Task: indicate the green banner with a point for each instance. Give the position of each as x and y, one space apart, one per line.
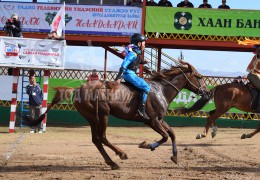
186 99
201 21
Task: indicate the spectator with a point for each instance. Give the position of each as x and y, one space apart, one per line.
254 68
135 3
223 6
205 4
35 102
53 35
93 76
165 3
151 3
13 29
185 3
13 26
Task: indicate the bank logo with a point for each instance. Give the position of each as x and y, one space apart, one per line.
9 7
182 20
50 16
11 50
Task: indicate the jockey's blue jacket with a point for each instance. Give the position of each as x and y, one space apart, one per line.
130 65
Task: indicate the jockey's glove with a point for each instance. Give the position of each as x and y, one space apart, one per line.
119 75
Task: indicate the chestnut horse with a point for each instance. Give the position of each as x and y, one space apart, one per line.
95 101
226 96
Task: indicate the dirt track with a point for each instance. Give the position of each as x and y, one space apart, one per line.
68 153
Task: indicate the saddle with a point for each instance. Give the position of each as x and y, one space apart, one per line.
255 104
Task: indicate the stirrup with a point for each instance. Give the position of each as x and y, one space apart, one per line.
142 114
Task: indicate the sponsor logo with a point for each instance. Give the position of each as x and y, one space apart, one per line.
183 20
50 16
9 7
11 50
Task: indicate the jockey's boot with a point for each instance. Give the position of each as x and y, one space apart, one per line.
141 112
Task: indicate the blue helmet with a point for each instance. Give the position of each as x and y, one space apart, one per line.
136 38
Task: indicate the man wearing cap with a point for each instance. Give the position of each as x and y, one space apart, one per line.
254 68
93 76
16 26
129 67
205 4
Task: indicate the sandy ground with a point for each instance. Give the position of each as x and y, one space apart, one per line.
68 153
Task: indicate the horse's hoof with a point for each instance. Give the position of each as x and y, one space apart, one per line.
174 159
123 156
113 166
244 136
144 145
213 134
200 136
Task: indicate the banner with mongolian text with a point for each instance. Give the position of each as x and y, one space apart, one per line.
79 19
32 53
219 22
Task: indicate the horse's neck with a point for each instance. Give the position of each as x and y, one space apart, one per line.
171 87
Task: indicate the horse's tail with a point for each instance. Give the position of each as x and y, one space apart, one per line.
198 104
62 93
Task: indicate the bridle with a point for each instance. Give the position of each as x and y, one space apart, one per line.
200 90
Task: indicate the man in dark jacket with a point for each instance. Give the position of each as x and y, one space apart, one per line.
35 101
151 3
205 4
13 26
223 5
185 3
165 3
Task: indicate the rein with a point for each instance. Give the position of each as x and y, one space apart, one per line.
199 88
167 82
179 91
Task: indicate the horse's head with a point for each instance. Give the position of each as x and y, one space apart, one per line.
187 74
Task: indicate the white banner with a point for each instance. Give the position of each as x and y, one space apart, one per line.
79 19
32 53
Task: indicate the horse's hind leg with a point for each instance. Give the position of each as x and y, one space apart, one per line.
157 127
213 115
97 140
244 136
102 133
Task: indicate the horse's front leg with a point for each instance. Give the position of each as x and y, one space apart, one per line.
157 127
173 138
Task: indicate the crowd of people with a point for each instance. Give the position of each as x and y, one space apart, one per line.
184 3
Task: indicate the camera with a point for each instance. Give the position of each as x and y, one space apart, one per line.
9 22
8 26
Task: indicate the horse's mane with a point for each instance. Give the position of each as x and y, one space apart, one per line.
175 70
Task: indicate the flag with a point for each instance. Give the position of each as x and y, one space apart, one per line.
58 22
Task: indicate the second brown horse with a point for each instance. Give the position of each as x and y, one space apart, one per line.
225 96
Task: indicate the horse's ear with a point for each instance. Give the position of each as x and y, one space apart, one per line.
184 64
